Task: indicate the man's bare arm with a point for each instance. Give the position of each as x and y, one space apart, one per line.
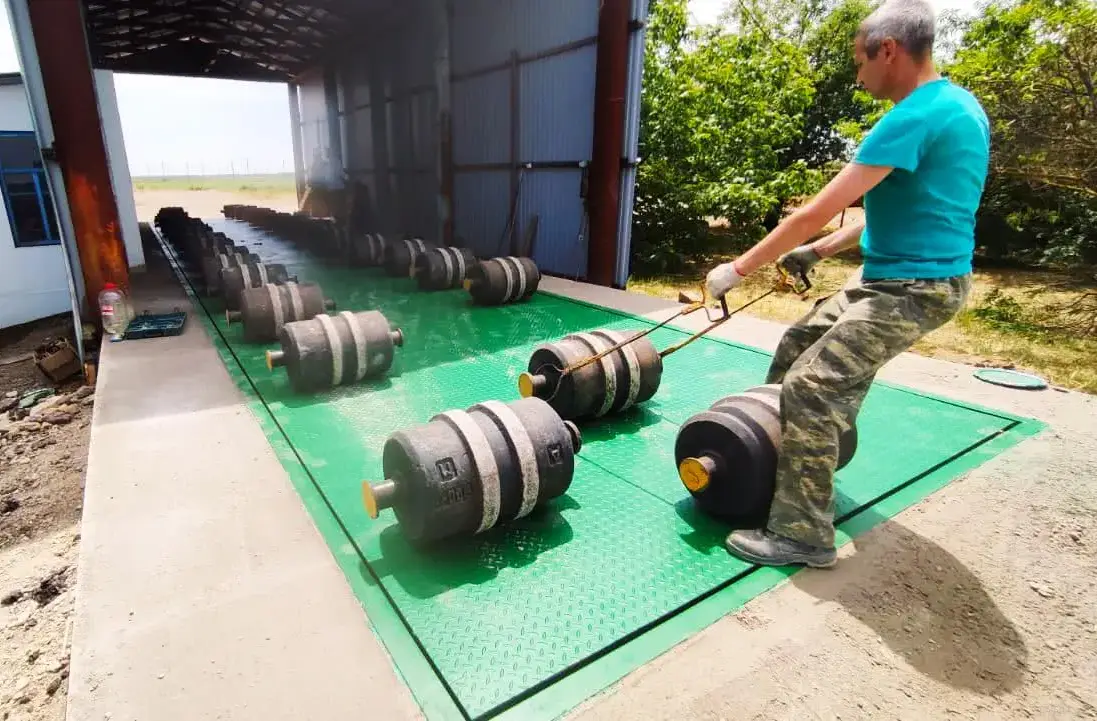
845 237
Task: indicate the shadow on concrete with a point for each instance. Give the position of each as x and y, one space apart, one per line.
446 565
920 600
927 607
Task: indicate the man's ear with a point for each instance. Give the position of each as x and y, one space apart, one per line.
889 47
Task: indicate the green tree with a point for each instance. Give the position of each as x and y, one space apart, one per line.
842 112
719 111
824 31
1033 65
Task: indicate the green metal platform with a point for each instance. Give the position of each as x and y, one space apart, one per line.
529 620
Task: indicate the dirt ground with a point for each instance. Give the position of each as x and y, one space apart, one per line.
42 460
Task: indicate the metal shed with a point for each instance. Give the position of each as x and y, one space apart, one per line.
467 121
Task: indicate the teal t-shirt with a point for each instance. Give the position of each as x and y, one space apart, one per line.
920 220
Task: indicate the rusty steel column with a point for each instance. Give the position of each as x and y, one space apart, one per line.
59 36
610 84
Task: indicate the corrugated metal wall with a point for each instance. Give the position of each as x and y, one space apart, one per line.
389 118
513 80
523 93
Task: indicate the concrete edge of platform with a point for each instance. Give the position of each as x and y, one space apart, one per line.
203 588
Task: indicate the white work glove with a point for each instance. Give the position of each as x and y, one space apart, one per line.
799 261
721 279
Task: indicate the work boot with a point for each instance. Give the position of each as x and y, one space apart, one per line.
766 548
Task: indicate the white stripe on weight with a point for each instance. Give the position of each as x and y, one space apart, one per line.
461 269
296 302
359 342
223 259
448 262
483 462
633 362
509 276
276 306
245 275
521 271
523 448
608 371
262 273
336 346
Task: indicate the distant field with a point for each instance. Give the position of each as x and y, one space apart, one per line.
273 184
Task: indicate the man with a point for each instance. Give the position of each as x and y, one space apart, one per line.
921 171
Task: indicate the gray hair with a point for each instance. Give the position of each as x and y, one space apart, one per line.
910 23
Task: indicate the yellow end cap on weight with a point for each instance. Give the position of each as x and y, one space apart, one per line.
467 284
368 500
694 475
270 366
525 385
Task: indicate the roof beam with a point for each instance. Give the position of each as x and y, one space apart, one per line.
279 36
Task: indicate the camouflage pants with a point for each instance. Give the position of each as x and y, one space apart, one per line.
825 364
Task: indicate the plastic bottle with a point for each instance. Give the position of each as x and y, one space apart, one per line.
115 310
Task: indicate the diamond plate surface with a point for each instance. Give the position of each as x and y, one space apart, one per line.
522 604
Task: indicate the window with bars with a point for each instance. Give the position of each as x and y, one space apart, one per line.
26 193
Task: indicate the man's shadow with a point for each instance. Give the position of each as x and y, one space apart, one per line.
926 606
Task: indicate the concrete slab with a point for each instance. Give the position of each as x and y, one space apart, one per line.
204 591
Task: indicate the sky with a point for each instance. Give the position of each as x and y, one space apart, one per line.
195 126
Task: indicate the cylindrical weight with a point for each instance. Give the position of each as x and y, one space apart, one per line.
214 264
249 275
266 309
619 380
502 280
367 250
442 268
727 455
400 255
467 471
328 351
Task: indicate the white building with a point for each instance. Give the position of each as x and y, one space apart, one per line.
34 277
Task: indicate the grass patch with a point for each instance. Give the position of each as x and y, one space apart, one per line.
1009 321
261 185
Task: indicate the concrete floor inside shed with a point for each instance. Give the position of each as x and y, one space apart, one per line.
205 590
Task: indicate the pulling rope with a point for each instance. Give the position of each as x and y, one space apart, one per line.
784 282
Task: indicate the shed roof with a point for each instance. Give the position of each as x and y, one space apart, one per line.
237 39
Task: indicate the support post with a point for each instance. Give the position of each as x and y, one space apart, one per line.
298 153
444 82
69 87
515 148
610 82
